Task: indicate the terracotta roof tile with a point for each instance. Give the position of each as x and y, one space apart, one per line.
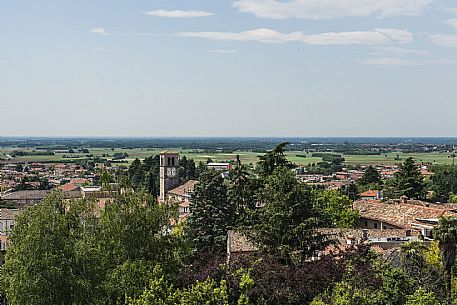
370 193
400 214
183 189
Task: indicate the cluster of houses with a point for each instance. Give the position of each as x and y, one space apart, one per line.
13 175
349 176
385 225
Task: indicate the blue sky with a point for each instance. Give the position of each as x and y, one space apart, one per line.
228 68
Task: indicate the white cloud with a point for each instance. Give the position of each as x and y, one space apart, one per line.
374 37
140 34
397 51
102 49
452 23
178 13
99 31
444 40
387 61
222 51
394 61
327 9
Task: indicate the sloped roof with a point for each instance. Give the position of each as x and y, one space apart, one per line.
26 195
400 214
370 193
68 187
184 188
8 213
38 195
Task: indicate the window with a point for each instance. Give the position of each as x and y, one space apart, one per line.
366 223
375 225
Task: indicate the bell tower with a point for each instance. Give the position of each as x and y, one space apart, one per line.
169 173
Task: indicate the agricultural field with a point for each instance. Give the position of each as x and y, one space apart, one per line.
393 158
297 157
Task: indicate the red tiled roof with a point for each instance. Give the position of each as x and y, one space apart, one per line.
370 193
79 181
68 187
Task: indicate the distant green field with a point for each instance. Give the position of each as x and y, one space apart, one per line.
439 158
296 157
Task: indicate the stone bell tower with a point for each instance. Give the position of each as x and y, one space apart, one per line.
169 173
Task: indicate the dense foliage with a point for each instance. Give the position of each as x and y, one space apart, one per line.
146 175
443 183
67 254
134 252
408 182
371 177
212 214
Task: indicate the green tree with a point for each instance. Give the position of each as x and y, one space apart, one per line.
65 253
151 169
408 181
287 222
370 176
19 168
133 237
422 297
417 262
135 173
446 234
41 264
335 210
242 194
212 214
161 292
351 191
369 281
274 159
145 176
187 169
443 183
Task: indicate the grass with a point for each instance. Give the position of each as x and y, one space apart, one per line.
297 157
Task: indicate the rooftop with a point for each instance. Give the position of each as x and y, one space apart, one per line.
184 188
370 193
402 215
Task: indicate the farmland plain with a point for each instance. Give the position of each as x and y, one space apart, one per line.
297 157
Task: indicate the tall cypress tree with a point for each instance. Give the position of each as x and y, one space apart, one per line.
287 223
242 194
408 181
212 214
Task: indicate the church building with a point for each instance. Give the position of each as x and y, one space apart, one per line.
169 173
169 184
